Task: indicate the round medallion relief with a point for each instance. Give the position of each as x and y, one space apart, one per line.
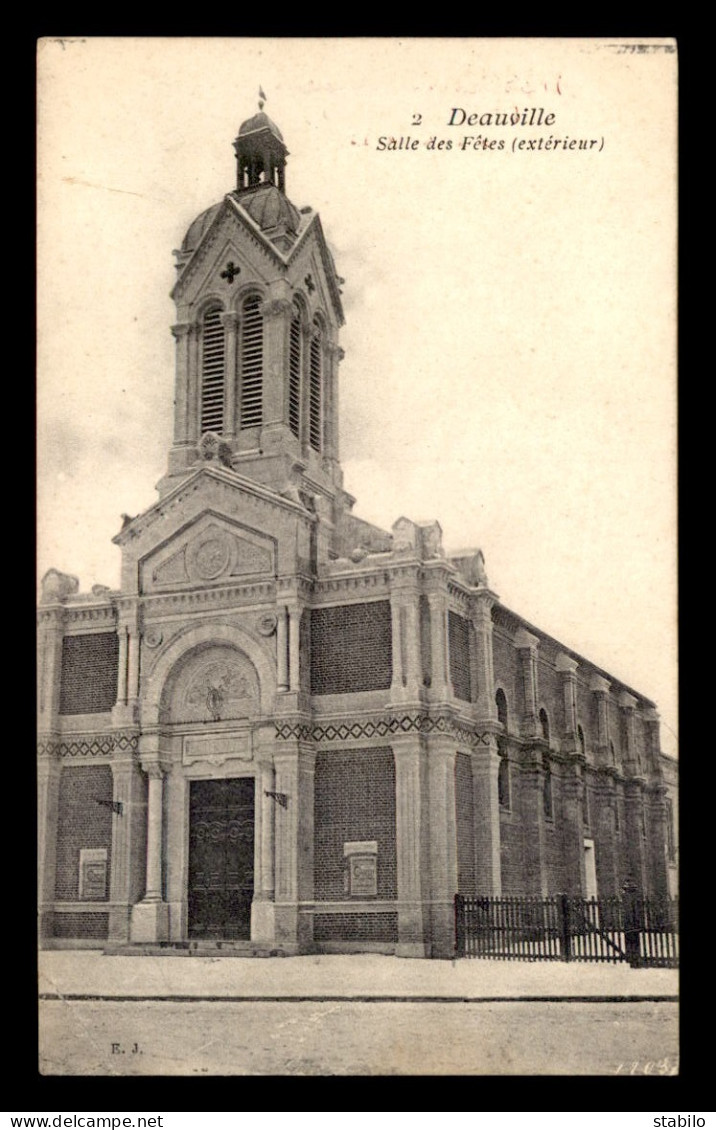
211 557
153 637
267 624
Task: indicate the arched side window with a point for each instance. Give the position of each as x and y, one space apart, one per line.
295 364
212 372
547 802
252 363
315 390
501 703
544 724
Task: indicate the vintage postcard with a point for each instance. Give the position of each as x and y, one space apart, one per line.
357 556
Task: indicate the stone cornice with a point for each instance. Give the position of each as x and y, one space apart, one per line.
156 605
230 481
103 615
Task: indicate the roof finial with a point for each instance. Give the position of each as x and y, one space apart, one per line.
262 99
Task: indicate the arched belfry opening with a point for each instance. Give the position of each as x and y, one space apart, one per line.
260 154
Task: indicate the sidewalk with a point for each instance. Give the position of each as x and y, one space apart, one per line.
90 974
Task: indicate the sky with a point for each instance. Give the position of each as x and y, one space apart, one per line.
510 335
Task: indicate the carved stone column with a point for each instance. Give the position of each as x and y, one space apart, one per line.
567 667
485 772
485 675
128 629
656 853
150 917
282 649
230 322
527 645
410 784
294 648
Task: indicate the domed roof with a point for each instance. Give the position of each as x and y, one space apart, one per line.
260 121
268 208
198 227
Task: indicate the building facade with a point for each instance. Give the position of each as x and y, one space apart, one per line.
289 726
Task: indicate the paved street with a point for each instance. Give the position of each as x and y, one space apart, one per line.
366 1038
363 1014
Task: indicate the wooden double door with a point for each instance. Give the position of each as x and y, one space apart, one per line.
221 857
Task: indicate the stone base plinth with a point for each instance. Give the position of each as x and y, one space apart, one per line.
263 924
150 922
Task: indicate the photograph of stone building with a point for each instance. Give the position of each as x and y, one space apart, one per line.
289 727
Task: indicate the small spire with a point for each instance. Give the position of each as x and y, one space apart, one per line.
262 99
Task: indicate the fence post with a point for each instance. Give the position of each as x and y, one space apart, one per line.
631 924
564 934
459 926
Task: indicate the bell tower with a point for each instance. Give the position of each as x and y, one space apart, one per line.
258 317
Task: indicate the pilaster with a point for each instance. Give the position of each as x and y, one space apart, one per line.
485 773
533 828
407 667
482 604
572 788
600 688
128 844
182 413
277 312
440 688
627 703
410 802
48 787
567 668
295 765
125 710
230 322
634 833
442 845
50 633
527 645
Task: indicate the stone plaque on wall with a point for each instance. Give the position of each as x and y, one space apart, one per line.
93 874
362 876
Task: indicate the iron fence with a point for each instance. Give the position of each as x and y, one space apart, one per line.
641 931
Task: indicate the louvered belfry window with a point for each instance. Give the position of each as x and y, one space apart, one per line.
294 373
314 401
252 349
212 373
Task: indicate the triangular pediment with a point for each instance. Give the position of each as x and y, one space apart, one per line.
211 549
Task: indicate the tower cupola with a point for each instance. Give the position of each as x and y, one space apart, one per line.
260 153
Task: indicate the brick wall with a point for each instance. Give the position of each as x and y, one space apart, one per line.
465 825
459 640
89 673
81 823
356 927
506 674
351 648
354 799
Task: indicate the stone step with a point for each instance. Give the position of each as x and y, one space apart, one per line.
229 948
